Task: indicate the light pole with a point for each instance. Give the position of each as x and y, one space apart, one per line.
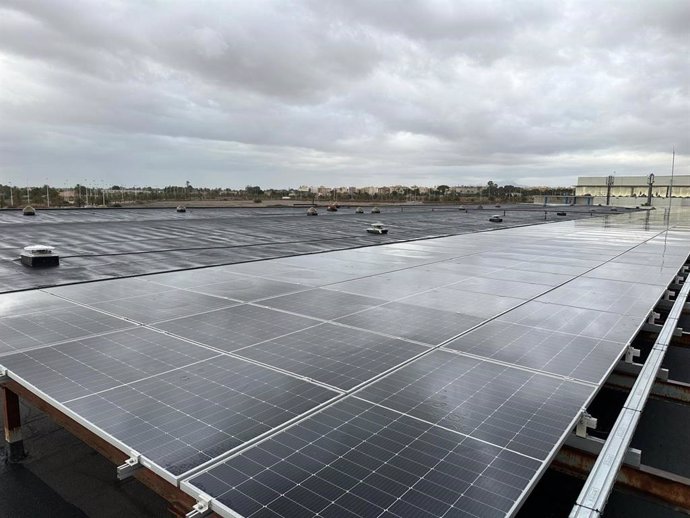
609 184
650 182
11 196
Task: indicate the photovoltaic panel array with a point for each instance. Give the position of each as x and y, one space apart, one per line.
344 461
177 404
356 459
371 375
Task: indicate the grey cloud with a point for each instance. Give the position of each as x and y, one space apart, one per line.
342 92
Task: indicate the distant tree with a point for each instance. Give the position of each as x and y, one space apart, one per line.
253 190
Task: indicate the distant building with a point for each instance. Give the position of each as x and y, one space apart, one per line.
626 191
466 189
634 186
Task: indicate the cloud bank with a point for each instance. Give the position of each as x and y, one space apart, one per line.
341 92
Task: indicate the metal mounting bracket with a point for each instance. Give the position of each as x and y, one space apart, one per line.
201 508
668 294
631 353
586 421
127 469
653 316
4 377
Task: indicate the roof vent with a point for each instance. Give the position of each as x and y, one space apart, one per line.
39 256
29 211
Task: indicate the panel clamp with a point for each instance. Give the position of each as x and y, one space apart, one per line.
631 353
4 376
127 469
201 508
586 421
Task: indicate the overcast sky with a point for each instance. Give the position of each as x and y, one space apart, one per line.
342 92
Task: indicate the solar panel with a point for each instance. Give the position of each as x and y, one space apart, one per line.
236 327
429 326
570 355
324 304
625 298
38 329
492 286
163 306
184 417
335 355
451 298
28 302
569 319
82 367
245 288
509 407
96 292
358 459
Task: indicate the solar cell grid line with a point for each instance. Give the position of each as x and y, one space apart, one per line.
358 459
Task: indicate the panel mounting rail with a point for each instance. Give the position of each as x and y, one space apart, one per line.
598 486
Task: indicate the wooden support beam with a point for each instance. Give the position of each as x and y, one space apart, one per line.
681 341
665 390
13 426
661 486
179 502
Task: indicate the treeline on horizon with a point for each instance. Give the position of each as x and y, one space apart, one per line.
12 196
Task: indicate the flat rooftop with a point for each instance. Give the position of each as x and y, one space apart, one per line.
427 376
110 243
